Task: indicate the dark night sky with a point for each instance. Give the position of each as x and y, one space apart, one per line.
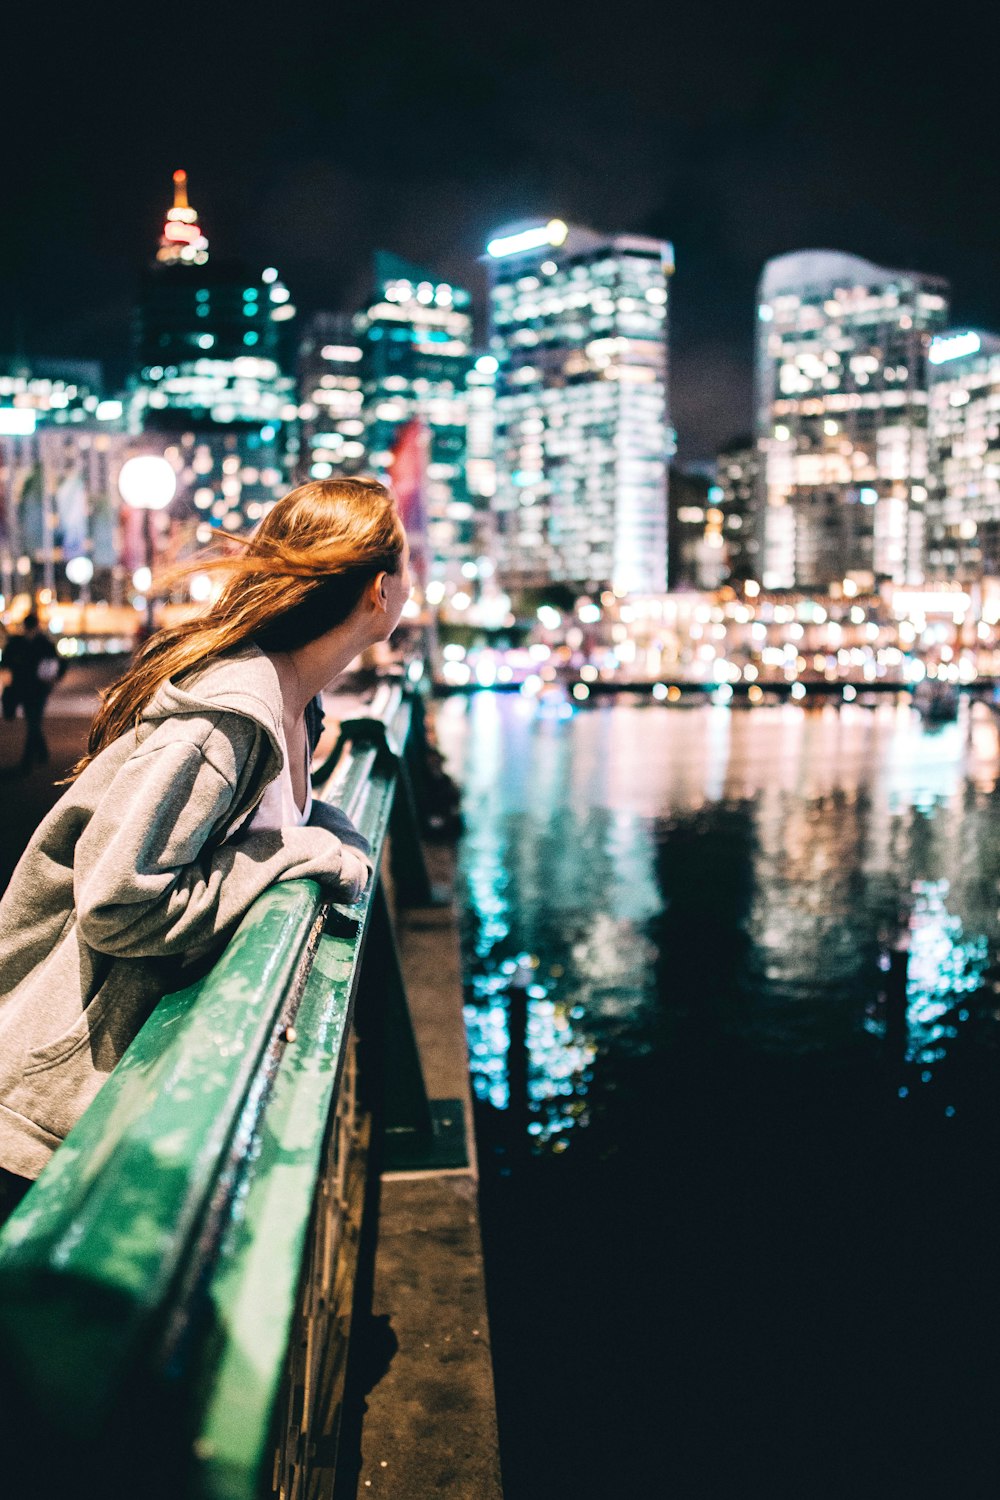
314 133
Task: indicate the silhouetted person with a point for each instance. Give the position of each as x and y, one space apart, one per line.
33 663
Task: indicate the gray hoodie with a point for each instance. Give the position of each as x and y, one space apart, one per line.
133 883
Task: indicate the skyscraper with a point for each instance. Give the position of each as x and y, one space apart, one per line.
579 330
331 424
480 464
209 376
208 330
842 417
963 484
696 557
738 473
416 334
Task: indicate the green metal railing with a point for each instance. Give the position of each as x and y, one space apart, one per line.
176 1290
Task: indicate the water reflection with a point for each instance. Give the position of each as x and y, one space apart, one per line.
944 966
636 878
734 1010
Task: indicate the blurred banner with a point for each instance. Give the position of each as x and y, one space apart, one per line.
6 471
30 512
103 526
133 539
71 505
409 480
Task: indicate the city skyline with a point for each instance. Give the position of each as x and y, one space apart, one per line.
578 357
737 138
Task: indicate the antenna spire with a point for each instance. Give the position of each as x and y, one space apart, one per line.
182 241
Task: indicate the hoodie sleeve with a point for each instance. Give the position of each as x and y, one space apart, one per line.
147 880
336 821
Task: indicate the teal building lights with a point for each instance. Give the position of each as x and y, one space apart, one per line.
209 376
416 337
331 425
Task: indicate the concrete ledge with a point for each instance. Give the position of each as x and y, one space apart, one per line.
429 1424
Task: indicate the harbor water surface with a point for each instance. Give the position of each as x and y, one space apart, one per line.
739 1169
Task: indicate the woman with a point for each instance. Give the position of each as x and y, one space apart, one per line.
193 798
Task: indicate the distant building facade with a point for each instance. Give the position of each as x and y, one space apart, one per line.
480 464
841 399
738 478
59 503
963 485
40 392
61 445
416 337
696 557
208 334
209 383
331 418
579 332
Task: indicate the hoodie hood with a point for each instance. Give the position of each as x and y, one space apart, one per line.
242 681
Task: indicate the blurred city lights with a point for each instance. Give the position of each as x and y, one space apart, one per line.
199 587
79 570
552 233
17 421
147 482
956 346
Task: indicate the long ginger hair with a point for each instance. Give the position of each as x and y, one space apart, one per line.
301 573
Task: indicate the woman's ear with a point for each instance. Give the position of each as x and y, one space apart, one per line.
379 592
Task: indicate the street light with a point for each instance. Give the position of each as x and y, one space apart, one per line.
80 571
147 483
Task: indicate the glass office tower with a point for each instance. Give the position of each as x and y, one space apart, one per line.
331 424
738 477
963 485
209 378
208 335
842 418
416 337
579 331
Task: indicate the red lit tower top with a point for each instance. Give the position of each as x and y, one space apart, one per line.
182 241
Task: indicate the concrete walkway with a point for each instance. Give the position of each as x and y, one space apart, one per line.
25 798
429 1426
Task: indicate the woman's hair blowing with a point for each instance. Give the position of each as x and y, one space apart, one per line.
300 574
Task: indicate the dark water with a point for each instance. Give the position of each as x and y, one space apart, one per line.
739 1211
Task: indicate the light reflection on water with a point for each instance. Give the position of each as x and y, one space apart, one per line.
945 965
633 870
